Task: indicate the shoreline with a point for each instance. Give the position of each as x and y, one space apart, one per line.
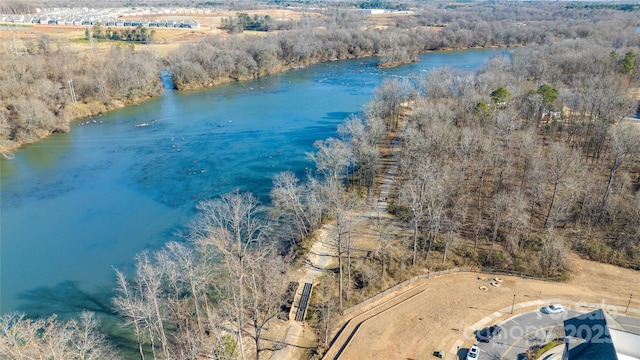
77 115
87 110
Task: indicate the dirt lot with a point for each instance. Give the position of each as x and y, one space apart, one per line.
437 317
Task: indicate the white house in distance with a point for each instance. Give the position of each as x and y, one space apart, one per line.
370 11
115 17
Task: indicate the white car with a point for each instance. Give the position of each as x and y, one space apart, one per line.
553 309
472 354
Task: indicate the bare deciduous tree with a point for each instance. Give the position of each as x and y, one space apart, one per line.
413 194
624 145
232 228
288 203
23 338
562 165
265 288
327 307
332 160
129 304
387 103
554 257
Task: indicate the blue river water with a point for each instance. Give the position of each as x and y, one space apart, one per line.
76 205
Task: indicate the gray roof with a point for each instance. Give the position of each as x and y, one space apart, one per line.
588 337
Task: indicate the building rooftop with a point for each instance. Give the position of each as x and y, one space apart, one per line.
597 336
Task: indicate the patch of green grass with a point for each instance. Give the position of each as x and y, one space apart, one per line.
13 25
537 353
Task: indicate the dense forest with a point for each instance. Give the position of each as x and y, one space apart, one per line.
514 166
35 87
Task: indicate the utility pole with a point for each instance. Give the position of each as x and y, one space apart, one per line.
513 303
74 100
17 45
92 45
629 303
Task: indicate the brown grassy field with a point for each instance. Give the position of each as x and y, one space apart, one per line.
437 317
165 40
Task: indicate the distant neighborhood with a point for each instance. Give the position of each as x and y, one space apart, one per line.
123 17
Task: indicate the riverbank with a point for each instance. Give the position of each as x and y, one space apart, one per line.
76 113
84 110
198 59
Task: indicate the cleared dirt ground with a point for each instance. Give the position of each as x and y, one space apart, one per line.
437 317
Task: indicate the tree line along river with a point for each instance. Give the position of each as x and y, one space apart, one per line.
75 205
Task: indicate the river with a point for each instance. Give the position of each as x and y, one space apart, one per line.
76 205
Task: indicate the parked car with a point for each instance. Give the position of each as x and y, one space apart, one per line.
472 354
553 309
486 334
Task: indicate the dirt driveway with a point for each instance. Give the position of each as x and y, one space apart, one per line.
437 317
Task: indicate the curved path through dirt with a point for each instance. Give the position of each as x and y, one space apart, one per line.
323 251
